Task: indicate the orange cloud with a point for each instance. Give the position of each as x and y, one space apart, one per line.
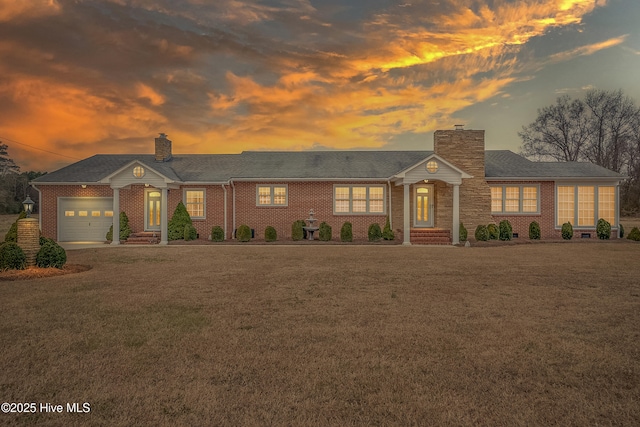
18 9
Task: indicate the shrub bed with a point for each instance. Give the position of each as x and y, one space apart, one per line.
493 232
506 231
217 234
603 229
270 234
51 255
324 232
634 234
190 232
346 232
125 230
12 257
481 234
243 234
534 231
567 231
374 233
178 222
297 230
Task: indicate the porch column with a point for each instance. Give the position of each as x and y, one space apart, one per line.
115 239
456 214
164 223
407 216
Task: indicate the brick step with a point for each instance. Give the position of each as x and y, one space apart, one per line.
143 238
430 236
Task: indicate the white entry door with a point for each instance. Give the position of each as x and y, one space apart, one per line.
424 206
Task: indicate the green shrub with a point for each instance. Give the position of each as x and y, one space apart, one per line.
621 229
462 233
534 231
324 232
51 254
387 232
178 221
346 232
567 231
243 234
603 229
12 257
634 234
374 233
270 234
217 234
12 234
481 234
493 232
190 232
297 232
44 240
506 231
125 230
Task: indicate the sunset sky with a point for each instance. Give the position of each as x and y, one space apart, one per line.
79 78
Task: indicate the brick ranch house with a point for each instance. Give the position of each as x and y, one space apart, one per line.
425 193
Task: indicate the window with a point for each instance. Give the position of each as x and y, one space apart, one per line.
271 195
83 213
69 213
515 199
95 213
194 202
108 213
583 205
432 166
138 171
358 199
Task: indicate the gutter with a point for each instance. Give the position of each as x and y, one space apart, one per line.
233 209
390 216
225 210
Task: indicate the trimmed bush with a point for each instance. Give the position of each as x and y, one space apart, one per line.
190 232
462 233
51 254
324 232
481 234
621 229
12 234
177 223
12 257
217 234
534 231
567 231
634 234
243 234
387 232
270 234
506 231
44 240
374 233
125 230
297 232
346 232
493 232
603 229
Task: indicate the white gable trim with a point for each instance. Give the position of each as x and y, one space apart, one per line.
446 172
152 177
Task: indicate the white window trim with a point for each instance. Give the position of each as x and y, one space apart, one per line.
204 201
272 194
368 186
596 186
520 212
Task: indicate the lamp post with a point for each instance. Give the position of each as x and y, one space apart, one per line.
28 205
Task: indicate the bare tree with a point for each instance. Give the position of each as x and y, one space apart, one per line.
560 132
7 165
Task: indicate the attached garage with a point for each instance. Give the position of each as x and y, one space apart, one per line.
84 219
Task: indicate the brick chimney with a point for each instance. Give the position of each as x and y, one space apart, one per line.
465 150
163 148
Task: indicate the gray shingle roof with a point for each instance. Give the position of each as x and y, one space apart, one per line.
309 165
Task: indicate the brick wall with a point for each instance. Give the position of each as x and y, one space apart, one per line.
465 149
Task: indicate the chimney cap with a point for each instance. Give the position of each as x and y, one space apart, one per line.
459 127
163 135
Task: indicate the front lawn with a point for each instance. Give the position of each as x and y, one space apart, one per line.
329 335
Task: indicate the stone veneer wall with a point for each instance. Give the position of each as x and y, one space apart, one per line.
465 149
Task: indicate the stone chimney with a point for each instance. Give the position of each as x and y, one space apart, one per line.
465 150
163 148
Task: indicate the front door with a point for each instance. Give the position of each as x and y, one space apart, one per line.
152 210
424 206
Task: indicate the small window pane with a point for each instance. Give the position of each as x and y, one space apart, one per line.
359 193
342 206
342 192
376 192
279 195
83 213
359 205
566 203
95 213
496 199
512 199
195 202
607 204
586 206
376 206
108 213
69 213
529 199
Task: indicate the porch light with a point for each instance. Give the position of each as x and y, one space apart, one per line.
28 205
84 185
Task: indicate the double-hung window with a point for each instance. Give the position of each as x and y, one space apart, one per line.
271 195
358 199
515 199
194 202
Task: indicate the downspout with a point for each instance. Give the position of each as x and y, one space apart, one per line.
225 210
233 208
390 211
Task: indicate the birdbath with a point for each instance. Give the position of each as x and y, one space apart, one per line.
311 227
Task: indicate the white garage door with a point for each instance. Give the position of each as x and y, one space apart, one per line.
84 219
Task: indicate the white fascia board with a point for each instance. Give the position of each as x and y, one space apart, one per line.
67 183
557 179
308 179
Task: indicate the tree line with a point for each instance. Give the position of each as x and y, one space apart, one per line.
14 185
603 128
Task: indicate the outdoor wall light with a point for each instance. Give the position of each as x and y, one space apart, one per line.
28 205
84 185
